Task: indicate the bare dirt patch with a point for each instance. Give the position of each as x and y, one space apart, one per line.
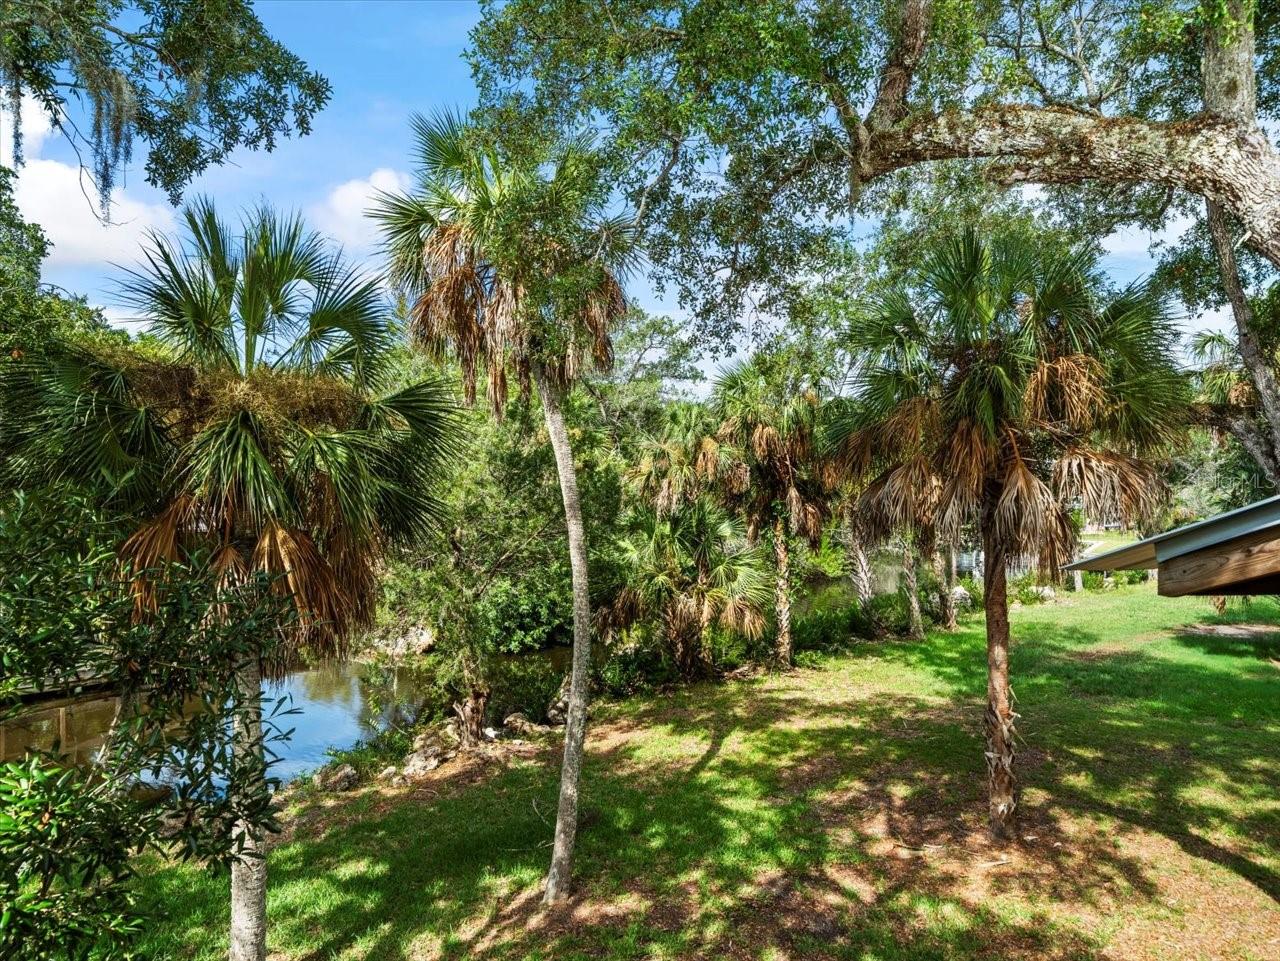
1245 632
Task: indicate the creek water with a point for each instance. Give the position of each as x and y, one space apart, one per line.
333 706
337 705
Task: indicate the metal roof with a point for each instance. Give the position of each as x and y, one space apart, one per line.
1183 540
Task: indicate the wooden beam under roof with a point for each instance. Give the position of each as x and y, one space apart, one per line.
1244 565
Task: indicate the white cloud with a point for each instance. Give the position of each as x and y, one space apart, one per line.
63 200
342 213
35 125
1134 242
1218 319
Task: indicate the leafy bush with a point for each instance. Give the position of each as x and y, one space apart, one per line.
521 614
1026 589
729 649
831 628
526 683
65 838
889 612
634 668
1129 577
370 755
65 847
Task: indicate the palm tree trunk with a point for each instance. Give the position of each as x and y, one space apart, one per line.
858 565
1002 786
249 869
706 662
915 622
558 876
782 594
946 600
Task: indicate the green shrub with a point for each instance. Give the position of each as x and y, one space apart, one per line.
526 684
889 612
370 755
1129 577
730 649
66 843
832 628
634 668
1025 589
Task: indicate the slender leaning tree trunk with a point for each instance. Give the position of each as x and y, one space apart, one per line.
915 622
706 661
249 869
858 565
946 600
575 733
782 594
1002 786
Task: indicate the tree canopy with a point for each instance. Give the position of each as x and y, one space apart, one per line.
194 81
757 129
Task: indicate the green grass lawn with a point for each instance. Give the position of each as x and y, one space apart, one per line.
834 812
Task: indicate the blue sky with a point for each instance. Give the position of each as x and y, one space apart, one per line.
385 61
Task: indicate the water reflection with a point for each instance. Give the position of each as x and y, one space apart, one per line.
338 705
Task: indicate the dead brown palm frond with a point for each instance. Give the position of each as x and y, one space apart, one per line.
604 306
969 457
1067 390
737 479
902 497
743 617
965 460
911 493
1058 545
1108 484
766 443
229 566
807 521
707 460
354 562
291 558
911 424
857 453
1027 510
159 540
1241 394
627 608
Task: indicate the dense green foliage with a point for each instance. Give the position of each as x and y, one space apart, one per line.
192 80
30 313
277 470
833 813
67 619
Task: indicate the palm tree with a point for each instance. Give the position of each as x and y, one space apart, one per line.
857 563
262 431
766 464
1001 389
687 569
513 266
678 464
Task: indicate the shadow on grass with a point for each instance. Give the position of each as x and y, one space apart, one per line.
814 815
